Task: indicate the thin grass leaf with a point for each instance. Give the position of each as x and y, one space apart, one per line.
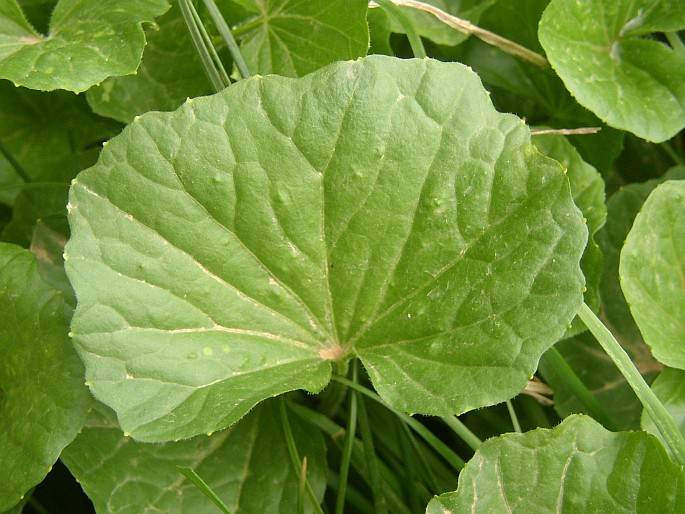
202 486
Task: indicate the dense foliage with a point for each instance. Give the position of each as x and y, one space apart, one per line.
319 251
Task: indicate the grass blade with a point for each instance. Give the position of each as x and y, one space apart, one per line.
202 486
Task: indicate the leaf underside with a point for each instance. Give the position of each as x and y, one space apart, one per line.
229 251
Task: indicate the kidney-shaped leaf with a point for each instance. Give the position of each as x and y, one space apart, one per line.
228 251
652 271
578 466
631 83
88 41
43 403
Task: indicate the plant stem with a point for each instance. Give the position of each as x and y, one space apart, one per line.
514 418
466 27
196 34
560 367
655 409
440 447
347 448
462 431
371 458
295 457
413 36
676 43
226 33
14 163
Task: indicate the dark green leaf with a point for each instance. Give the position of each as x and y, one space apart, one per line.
247 466
43 403
295 38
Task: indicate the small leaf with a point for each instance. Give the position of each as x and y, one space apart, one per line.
88 41
652 271
336 30
247 466
631 82
576 467
229 251
40 412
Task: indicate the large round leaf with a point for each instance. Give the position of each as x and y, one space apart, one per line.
577 467
229 251
630 82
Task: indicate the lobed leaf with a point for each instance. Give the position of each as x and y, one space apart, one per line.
631 82
87 41
576 467
247 466
231 250
652 271
40 412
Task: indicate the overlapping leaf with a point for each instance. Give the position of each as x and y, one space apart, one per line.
88 41
43 403
631 82
295 38
247 466
229 251
576 467
652 271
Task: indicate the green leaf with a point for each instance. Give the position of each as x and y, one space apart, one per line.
669 387
247 466
379 208
43 403
652 271
576 467
335 30
169 73
87 41
587 188
48 151
631 82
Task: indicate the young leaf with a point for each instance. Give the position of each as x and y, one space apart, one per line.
43 403
336 30
576 467
87 41
651 270
231 250
247 466
169 73
631 82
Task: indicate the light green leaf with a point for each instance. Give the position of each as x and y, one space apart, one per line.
669 387
247 466
652 272
229 251
169 73
40 412
576 467
87 41
295 38
631 82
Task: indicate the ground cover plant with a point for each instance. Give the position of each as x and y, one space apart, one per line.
340 256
